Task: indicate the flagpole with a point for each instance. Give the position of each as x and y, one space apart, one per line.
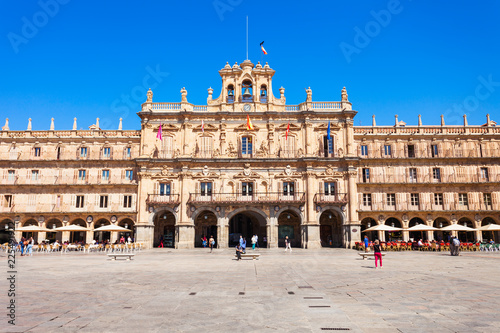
247 37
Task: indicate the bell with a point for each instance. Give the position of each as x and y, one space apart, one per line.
263 93
230 93
246 93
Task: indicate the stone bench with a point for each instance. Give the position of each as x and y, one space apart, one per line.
113 256
249 255
368 254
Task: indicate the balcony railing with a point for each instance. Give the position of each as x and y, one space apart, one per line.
163 199
270 197
427 206
379 152
340 198
427 178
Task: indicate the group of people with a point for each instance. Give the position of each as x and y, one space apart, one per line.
26 245
242 245
210 242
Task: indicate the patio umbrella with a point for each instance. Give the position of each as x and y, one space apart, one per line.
456 227
72 227
490 227
112 227
422 227
382 227
32 228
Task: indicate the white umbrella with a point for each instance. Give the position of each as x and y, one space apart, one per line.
382 227
422 227
456 227
72 227
112 227
490 227
32 228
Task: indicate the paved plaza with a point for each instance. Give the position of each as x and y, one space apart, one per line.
164 290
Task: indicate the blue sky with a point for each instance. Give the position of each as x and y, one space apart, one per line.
83 58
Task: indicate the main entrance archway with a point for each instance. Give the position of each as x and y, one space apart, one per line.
330 229
164 234
247 224
205 225
289 225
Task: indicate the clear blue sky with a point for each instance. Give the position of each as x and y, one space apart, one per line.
427 58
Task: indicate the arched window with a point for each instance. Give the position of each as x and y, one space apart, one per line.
247 91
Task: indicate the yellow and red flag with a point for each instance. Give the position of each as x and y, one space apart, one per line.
249 124
262 48
287 131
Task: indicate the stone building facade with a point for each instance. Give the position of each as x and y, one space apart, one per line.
212 173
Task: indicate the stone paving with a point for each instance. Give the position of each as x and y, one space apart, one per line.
165 290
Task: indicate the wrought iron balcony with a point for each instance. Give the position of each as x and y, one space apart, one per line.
163 199
255 198
339 198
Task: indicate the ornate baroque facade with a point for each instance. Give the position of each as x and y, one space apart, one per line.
210 175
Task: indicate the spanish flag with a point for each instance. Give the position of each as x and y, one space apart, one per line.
287 131
262 48
249 124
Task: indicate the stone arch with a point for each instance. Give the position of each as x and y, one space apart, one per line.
417 234
151 216
466 236
30 221
489 235
396 235
51 224
293 209
246 222
439 235
128 223
371 221
290 224
101 236
4 234
331 228
244 209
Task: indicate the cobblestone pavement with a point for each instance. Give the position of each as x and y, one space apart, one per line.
165 290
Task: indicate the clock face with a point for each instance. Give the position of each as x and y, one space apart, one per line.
247 107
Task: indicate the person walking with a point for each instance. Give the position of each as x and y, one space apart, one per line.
161 241
253 242
377 252
257 241
287 244
366 241
244 245
211 243
31 242
456 245
22 245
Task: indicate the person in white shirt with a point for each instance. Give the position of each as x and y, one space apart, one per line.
129 240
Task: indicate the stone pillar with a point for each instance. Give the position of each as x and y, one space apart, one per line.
349 137
352 216
145 235
222 233
312 233
185 226
41 236
308 138
65 236
185 236
479 235
89 236
272 233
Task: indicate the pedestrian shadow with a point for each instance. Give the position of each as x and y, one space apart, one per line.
368 267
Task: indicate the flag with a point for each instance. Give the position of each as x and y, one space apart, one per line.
328 132
159 136
287 131
262 48
202 126
249 124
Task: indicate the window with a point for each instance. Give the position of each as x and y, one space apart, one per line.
35 174
103 201
364 150
11 175
487 200
127 201
367 199
7 201
412 173
391 199
106 152
411 150
105 175
206 189
414 199
246 145
37 151
83 152
434 150
436 174
328 146
128 152
288 147
484 174
387 150
247 189
80 202
288 188
164 188
462 199
330 188
129 174
205 146
167 150
366 175
438 199
82 174
58 153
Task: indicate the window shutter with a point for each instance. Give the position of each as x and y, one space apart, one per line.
321 187
73 200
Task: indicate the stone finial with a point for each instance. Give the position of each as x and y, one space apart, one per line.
442 120
282 92
258 65
184 95
120 124
344 95
52 124
266 65
29 125
6 127
373 121
419 120
488 121
235 65
149 96
97 124
309 93
228 66
74 125
397 122
465 120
